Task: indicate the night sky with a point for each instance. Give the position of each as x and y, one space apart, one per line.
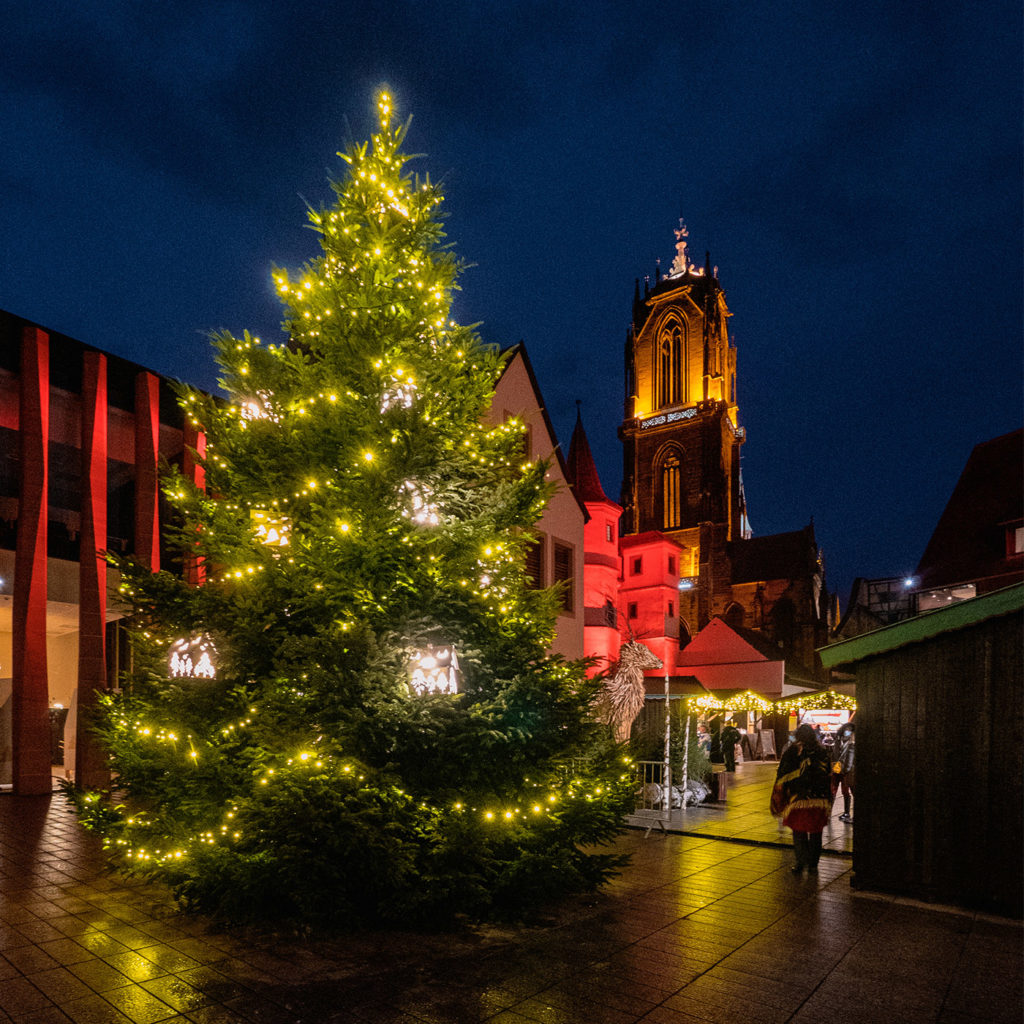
854 170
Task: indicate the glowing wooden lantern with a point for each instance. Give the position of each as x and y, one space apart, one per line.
434 670
271 529
192 658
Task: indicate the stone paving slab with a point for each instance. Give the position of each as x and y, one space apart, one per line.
697 929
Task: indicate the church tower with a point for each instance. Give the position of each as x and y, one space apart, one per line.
680 431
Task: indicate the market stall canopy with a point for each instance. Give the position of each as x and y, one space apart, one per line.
733 700
817 701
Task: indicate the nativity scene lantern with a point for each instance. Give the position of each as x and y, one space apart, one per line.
192 658
271 528
434 670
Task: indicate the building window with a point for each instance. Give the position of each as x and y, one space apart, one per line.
671 609
638 566
535 564
561 563
1015 540
671 516
631 612
611 617
609 532
671 565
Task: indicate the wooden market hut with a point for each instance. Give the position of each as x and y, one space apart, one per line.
940 758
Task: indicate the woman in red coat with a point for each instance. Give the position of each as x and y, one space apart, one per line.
803 796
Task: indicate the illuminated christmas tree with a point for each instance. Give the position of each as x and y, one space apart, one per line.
289 743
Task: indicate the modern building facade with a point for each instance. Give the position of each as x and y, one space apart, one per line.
82 434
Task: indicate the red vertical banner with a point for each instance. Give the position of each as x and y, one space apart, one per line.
195 450
30 681
147 451
90 763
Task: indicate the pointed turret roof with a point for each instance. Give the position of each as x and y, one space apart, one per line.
580 466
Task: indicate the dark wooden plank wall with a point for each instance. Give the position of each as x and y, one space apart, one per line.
940 764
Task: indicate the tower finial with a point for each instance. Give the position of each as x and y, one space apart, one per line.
679 264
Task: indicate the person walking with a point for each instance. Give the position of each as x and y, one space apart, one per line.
845 752
802 796
730 737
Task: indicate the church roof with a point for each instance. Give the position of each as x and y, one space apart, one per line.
776 556
580 467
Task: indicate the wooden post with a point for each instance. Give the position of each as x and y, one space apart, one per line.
686 758
666 771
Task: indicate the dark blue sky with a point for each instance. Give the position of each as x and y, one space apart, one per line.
855 171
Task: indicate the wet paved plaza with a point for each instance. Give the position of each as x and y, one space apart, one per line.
707 924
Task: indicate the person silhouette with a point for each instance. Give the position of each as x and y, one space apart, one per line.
802 796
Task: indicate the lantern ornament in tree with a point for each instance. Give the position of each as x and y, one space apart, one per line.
272 529
434 670
399 395
192 658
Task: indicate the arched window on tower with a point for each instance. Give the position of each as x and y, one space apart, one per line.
671 351
671 507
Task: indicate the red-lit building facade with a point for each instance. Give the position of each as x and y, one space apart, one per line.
82 434
685 557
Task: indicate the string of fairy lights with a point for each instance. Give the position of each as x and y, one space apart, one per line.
546 804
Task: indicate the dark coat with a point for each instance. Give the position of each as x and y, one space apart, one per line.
803 788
